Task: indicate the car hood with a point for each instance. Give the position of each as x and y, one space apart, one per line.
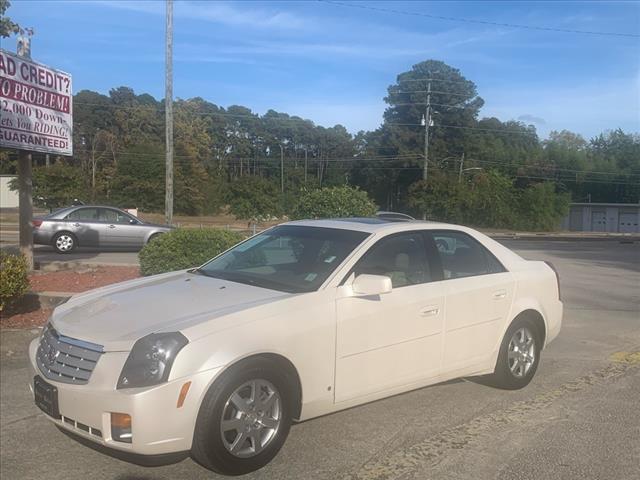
118 315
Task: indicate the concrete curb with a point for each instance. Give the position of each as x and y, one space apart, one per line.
55 266
46 299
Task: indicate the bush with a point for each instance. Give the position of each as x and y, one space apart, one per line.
14 280
184 248
334 202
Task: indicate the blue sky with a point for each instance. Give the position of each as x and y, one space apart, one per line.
332 64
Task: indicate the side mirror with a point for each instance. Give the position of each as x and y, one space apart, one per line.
371 285
133 222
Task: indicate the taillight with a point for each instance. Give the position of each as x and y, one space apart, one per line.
557 277
36 223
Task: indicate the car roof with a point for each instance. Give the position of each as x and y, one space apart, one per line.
94 206
374 224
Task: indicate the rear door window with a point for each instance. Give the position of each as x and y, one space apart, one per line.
84 215
463 256
112 216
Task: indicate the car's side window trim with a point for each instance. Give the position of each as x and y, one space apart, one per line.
433 256
383 239
487 253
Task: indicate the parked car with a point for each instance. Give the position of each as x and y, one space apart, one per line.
93 226
394 216
304 319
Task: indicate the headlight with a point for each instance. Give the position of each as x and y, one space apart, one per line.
150 360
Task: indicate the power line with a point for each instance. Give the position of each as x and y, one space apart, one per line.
424 103
433 91
185 159
445 80
497 130
480 22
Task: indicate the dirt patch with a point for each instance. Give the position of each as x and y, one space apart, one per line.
35 318
81 281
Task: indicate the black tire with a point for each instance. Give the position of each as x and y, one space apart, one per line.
503 376
208 447
67 246
153 237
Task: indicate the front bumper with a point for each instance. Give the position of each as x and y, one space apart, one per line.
158 426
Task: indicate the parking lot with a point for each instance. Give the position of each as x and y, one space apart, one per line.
578 419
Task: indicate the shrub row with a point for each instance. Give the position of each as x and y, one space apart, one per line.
14 279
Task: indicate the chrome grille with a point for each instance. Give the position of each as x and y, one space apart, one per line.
65 359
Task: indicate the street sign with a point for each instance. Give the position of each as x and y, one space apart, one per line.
35 106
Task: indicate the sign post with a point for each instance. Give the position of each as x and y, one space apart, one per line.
35 116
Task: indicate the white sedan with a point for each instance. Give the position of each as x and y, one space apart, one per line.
304 319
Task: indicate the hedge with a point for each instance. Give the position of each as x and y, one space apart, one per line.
14 279
334 202
185 248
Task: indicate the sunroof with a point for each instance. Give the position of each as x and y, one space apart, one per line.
367 220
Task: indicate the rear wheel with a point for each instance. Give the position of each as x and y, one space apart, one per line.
244 419
519 356
64 242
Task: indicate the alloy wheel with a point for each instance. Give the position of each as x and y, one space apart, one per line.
251 418
521 353
64 243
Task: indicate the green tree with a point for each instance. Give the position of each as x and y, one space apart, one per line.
7 26
253 198
540 207
56 186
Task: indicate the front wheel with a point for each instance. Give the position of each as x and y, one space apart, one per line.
64 242
153 237
244 420
519 356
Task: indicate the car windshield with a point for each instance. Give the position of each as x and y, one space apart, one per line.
287 258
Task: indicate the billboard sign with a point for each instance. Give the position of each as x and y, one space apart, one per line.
35 106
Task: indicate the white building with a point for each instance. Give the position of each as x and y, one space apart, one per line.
8 198
603 217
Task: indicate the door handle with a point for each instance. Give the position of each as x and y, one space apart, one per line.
112 226
76 224
500 294
429 311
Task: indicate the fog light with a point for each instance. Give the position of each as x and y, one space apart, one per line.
121 427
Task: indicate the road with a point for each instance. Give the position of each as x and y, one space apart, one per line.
578 419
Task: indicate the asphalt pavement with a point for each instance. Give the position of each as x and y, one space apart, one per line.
578 419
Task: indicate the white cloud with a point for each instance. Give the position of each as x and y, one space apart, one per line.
216 12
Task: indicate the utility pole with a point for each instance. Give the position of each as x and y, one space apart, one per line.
25 183
281 169
168 116
461 164
305 165
25 202
427 122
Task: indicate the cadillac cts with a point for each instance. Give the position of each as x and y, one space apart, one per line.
304 319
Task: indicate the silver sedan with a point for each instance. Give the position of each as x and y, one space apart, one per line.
93 226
